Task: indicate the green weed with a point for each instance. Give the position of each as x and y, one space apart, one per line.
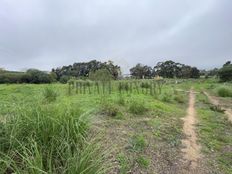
138 143
165 97
110 109
121 100
124 163
224 92
179 98
137 107
143 161
49 94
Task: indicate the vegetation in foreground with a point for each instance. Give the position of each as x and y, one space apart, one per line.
48 138
215 133
51 128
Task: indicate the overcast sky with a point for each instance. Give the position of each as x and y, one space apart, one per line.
49 33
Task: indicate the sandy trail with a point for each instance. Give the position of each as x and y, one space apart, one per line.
191 150
216 102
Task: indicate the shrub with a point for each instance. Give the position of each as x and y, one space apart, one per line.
224 92
109 109
37 76
49 94
225 73
31 76
64 79
137 107
179 98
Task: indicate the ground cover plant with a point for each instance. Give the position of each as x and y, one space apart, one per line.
224 92
126 126
48 138
213 124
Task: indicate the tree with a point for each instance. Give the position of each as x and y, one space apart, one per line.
186 71
227 63
83 69
195 73
101 75
36 76
171 69
141 71
168 69
225 73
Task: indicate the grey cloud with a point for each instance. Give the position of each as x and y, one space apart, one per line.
45 34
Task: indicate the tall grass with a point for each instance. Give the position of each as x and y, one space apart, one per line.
49 139
49 94
224 92
137 107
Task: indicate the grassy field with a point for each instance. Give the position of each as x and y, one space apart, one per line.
121 127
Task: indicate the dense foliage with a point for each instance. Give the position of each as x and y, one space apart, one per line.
100 75
141 71
82 70
96 70
225 73
30 76
170 69
167 69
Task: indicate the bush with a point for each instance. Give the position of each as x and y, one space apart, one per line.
225 73
64 79
124 163
31 76
224 92
179 98
109 109
49 94
137 107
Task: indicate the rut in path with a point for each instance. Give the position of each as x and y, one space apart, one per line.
191 150
215 102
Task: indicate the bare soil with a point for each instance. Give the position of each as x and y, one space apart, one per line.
224 105
191 149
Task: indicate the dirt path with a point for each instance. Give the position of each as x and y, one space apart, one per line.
216 102
191 150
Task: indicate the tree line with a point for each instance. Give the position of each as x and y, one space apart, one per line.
99 70
167 69
30 76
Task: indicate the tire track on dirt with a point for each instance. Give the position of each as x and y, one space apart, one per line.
216 102
191 149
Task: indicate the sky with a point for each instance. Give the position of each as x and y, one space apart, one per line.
46 34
